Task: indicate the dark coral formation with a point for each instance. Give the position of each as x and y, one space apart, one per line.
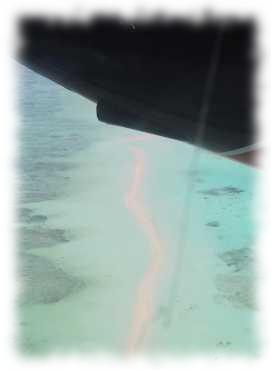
26 215
37 219
225 190
213 224
43 282
239 259
41 237
236 289
237 286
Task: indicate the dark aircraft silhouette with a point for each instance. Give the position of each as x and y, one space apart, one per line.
152 76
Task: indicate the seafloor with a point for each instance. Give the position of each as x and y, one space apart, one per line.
120 236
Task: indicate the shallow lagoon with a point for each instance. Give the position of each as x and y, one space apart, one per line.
82 253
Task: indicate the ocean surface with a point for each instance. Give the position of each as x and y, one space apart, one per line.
122 244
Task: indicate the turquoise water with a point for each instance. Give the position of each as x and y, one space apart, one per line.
82 253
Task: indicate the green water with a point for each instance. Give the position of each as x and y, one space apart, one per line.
82 254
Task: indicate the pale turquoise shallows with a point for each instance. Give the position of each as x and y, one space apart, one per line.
82 253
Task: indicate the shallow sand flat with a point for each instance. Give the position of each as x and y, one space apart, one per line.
99 251
208 308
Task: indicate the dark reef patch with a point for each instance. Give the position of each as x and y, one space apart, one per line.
235 289
226 190
239 259
24 214
213 224
223 344
43 282
237 286
37 219
41 237
41 179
